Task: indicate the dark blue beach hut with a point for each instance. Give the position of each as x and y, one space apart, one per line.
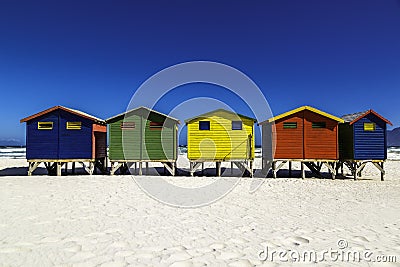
60 135
363 139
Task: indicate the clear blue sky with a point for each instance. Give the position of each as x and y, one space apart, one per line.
342 56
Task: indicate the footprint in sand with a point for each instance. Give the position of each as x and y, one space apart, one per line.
8 250
298 240
217 246
238 240
229 255
81 256
181 264
241 263
114 264
179 256
360 239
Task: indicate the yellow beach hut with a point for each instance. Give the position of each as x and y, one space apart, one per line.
219 136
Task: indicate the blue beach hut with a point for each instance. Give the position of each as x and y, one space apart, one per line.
363 139
60 135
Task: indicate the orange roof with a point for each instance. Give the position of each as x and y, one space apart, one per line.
73 111
301 109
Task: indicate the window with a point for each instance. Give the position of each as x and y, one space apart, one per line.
369 126
45 125
74 125
236 125
125 125
204 125
319 125
290 125
156 125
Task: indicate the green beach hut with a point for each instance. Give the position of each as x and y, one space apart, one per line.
142 135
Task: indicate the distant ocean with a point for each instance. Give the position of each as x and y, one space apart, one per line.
12 152
19 152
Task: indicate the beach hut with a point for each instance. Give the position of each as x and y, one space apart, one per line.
304 134
362 140
59 135
220 136
142 135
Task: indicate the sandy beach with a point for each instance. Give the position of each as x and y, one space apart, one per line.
105 220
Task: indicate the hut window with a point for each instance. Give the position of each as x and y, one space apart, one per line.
290 125
204 125
369 126
319 125
74 125
236 125
45 125
156 125
125 125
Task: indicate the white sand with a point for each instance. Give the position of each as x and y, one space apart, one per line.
108 221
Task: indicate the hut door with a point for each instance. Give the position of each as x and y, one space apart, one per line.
100 141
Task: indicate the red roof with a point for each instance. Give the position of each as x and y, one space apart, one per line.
371 112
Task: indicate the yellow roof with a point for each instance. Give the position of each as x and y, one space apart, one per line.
301 109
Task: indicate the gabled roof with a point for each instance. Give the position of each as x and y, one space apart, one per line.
286 114
352 118
206 115
70 110
139 108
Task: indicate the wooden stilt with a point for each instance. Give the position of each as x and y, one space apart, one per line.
290 169
32 167
382 173
273 169
147 168
231 167
355 171
73 167
218 168
303 173
140 168
202 168
58 168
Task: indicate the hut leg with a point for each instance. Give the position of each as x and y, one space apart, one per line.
140 168
290 169
58 168
251 169
273 169
355 171
191 168
147 168
73 167
32 167
303 173
202 168
380 166
231 167
218 168
112 168
135 167
66 168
